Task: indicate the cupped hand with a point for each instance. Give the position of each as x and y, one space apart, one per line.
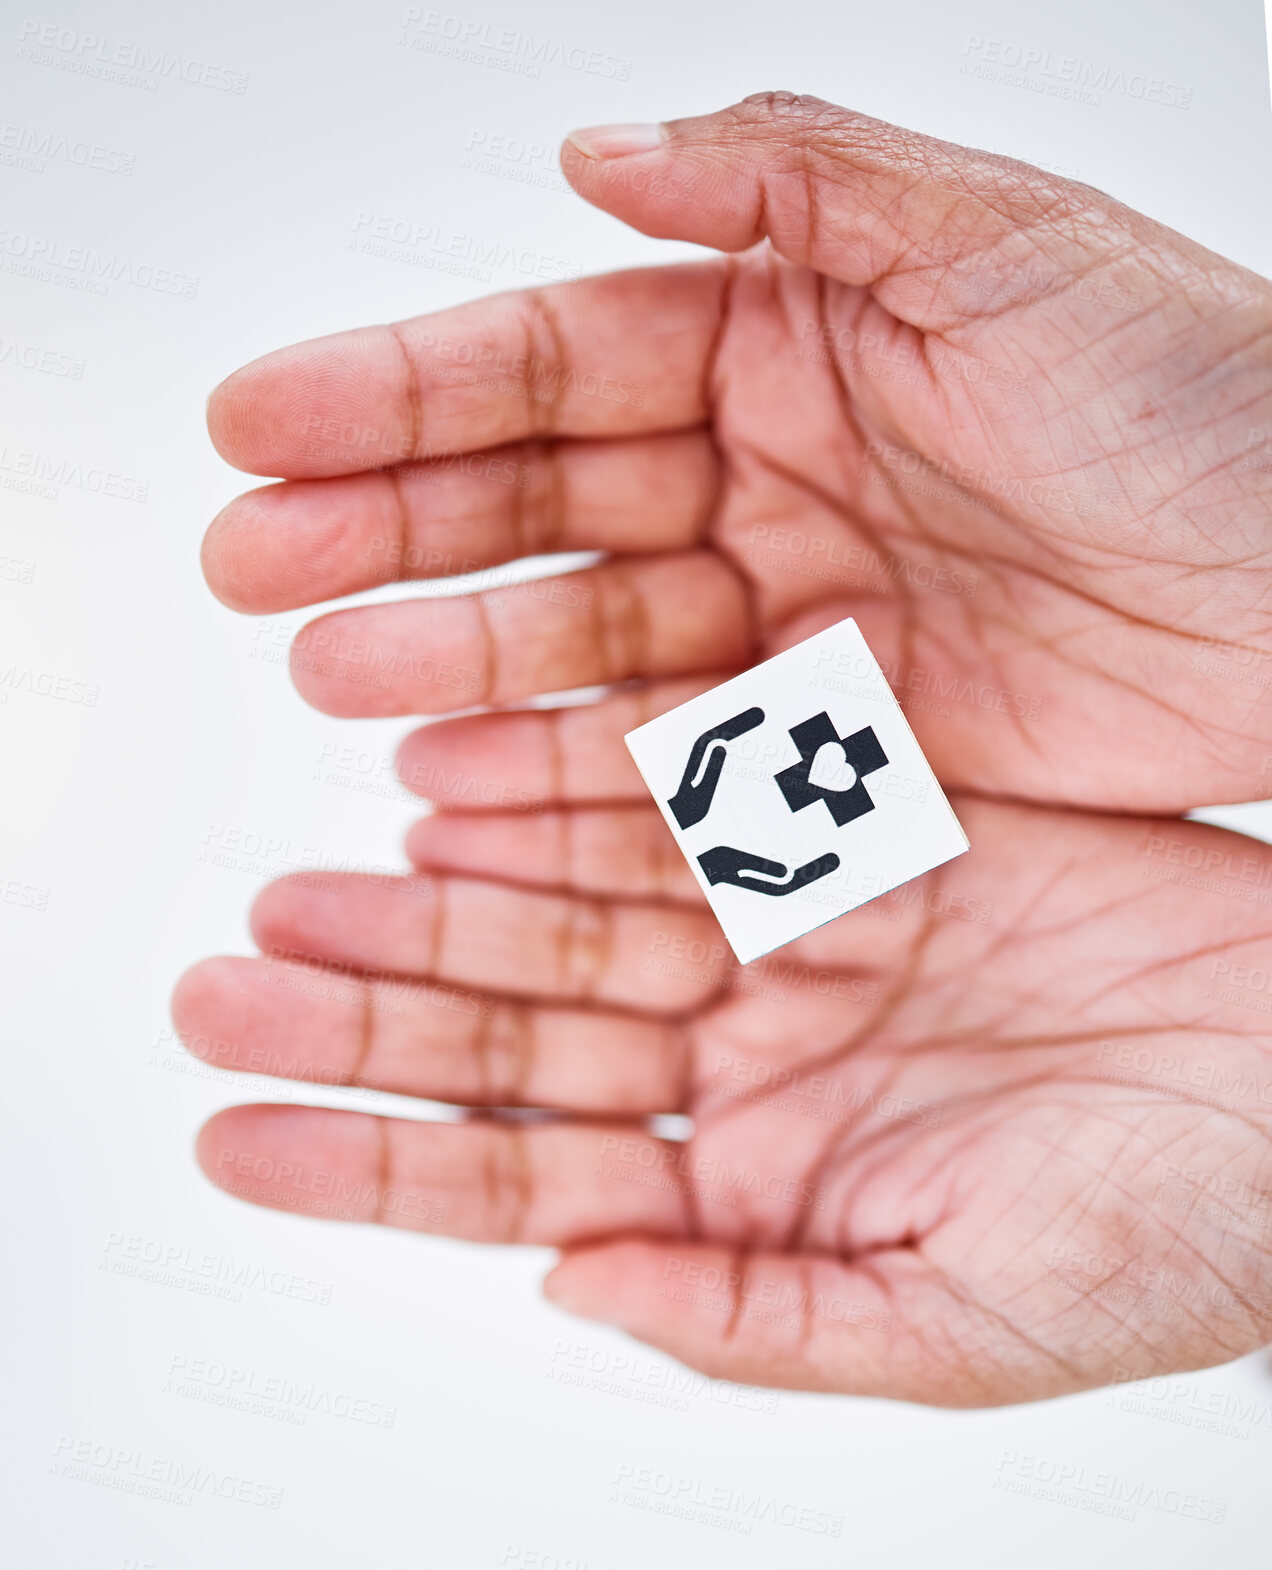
999 1136
1011 426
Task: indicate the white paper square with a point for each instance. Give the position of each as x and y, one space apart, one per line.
827 689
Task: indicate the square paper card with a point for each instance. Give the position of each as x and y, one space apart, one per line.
797 791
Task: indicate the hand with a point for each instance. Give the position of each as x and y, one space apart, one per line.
986 1175
764 443
1002 1135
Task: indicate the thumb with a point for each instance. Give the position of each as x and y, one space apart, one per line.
865 202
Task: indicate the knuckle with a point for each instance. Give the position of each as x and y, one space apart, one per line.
797 108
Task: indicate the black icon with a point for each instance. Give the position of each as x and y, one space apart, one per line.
723 864
692 800
696 791
861 749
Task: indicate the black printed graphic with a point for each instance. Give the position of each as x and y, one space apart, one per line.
693 797
861 749
724 864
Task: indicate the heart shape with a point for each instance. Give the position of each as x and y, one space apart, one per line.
831 769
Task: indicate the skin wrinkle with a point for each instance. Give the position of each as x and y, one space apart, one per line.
383 1169
709 395
512 1048
978 1100
585 947
556 753
511 1178
565 941
1174 961
1161 1098
490 652
601 950
1001 1045
1178 1240
804 1330
597 631
984 557
566 855
1075 1375
520 506
551 528
999 1217
1095 1297
678 1049
820 1169
402 520
713 392
904 596
737 1267
412 385
690 1210
479 1050
626 622
541 322
856 1043
1053 645
438 890
1102 1178
366 1032
537 512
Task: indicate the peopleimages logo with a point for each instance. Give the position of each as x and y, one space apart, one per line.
117 59
506 48
83 266
1067 76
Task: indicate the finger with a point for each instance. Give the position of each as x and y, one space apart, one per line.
804 1322
619 851
868 203
532 758
441 1042
495 938
616 355
487 1181
632 617
308 540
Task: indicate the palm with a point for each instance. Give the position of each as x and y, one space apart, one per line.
999 1105
1006 1134
1043 1124
891 470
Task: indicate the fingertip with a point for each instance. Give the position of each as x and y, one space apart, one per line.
218 1141
479 760
427 841
289 1157
228 556
328 663
197 993
279 909
426 753
231 1140
257 415
228 414
266 417
577 1284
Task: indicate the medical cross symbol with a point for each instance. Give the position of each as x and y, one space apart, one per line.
862 754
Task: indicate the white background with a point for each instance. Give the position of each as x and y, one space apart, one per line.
111 807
